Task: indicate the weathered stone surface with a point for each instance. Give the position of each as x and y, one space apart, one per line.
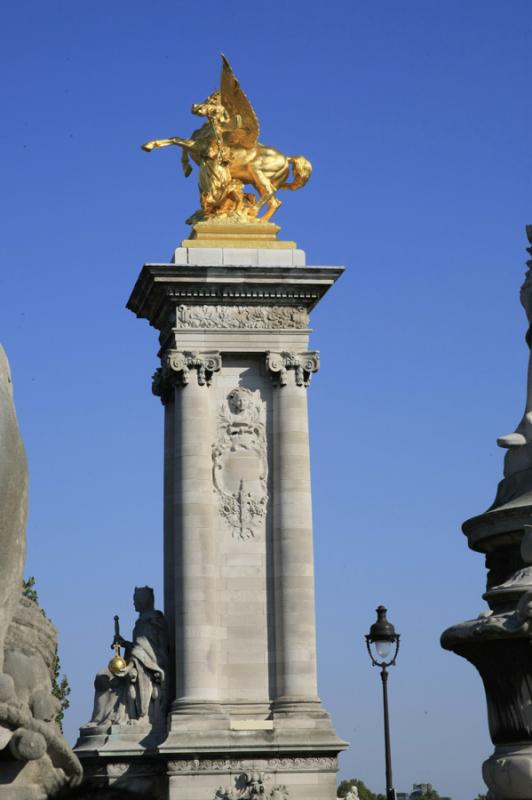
13 503
35 760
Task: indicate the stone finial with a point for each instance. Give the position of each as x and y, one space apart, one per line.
303 364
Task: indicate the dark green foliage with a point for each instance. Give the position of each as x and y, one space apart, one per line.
60 689
60 685
363 792
29 591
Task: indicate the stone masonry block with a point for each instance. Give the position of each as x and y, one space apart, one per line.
180 257
240 257
275 258
205 256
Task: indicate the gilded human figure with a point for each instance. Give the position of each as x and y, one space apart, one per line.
137 693
229 156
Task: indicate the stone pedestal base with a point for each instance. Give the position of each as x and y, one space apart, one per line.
508 772
294 757
285 775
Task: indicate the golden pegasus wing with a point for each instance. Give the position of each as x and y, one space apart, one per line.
242 130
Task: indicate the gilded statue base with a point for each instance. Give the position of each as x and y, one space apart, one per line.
224 233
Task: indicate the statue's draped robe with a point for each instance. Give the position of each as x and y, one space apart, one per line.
138 693
150 656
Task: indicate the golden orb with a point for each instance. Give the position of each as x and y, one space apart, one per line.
117 664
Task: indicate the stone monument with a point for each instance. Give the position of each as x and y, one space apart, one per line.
35 760
499 642
232 311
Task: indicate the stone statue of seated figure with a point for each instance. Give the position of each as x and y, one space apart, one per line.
136 695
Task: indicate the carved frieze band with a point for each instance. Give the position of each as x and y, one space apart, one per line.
242 317
178 367
303 364
236 764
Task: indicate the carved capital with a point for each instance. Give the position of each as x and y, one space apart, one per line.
178 368
303 365
205 364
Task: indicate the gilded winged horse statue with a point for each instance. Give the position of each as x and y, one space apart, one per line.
229 156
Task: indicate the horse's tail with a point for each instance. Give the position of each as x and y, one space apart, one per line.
301 172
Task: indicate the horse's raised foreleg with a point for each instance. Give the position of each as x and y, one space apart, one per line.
185 144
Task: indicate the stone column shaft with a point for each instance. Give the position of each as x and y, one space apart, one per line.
194 545
169 532
293 549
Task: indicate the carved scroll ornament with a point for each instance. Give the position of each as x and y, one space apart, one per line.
179 366
303 364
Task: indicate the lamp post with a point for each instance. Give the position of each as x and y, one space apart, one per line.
382 641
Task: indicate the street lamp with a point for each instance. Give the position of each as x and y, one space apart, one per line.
382 641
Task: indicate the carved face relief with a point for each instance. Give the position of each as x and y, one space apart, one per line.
240 466
239 400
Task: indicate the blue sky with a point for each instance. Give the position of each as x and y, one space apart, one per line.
417 118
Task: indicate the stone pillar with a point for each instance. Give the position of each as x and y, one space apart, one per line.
239 577
191 542
296 681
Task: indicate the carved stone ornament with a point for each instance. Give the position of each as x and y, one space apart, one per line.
115 769
240 465
242 317
177 367
303 364
251 786
204 765
290 763
183 363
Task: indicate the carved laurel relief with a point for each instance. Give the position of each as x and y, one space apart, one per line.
242 317
240 465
